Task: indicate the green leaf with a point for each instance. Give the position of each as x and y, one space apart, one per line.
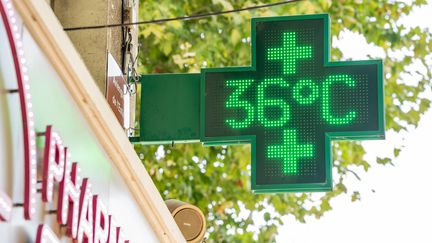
267 216
355 196
396 152
384 161
235 36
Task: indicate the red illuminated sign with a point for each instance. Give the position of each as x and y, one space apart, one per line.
45 234
15 43
83 213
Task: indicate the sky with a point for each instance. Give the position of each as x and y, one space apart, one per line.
396 201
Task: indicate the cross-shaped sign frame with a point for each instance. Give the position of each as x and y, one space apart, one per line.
170 97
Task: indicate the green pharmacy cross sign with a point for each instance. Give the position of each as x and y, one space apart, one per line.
289 105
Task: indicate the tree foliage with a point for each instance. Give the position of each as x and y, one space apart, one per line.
217 179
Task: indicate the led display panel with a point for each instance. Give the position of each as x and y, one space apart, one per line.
291 103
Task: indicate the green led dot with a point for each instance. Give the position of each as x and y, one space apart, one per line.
330 80
290 151
289 53
305 92
280 103
235 102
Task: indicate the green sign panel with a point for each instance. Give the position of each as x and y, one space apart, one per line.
289 105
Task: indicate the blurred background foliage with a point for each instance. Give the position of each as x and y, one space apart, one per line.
217 179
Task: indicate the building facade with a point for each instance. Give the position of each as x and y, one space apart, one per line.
67 169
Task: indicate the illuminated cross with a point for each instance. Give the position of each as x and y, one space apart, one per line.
289 53
289 104
290 151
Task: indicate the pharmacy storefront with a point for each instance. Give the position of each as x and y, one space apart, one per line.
67 170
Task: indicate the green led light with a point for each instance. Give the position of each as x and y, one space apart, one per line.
289 53
290 151
235 102
280 103
305 91
291 103
330 80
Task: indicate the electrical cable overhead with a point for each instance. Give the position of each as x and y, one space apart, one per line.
191 17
